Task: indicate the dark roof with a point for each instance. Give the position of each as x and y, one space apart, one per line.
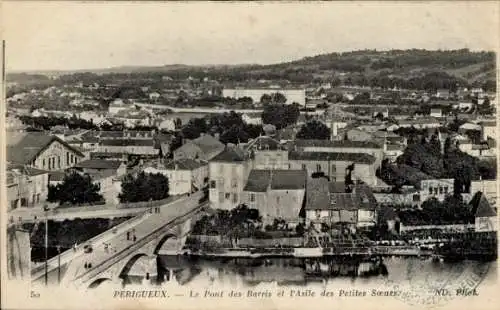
359 158
99 164
317 194
288 179
94 155
481 207
208 144
184 164
334 144
127 142
258 181
336 187
30 145
30 171
264 143
324 195
230 154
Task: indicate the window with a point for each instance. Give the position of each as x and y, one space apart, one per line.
227 195
416 198
212 184
234 183
50 163
43 163
252 197
289 166
235 198
440 189
59 162
303 166
446 189
67 158
71 156
430 190
318 167
278 199
435 190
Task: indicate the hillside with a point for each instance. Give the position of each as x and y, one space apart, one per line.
358 67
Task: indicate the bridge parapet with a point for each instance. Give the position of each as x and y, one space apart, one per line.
146 245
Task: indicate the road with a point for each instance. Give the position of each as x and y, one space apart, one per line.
27 215
118 244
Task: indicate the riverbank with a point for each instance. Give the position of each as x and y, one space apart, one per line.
310 252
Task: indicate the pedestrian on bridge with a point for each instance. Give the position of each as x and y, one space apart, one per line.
128 235
135 238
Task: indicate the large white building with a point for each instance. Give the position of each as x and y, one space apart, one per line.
292 95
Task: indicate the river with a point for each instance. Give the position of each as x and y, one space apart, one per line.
390 272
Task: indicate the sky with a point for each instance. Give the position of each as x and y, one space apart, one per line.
68 36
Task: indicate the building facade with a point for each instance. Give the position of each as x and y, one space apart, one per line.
228 174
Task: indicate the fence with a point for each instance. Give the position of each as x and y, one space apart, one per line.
450 228
266 243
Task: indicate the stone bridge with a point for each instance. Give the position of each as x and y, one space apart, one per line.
140 259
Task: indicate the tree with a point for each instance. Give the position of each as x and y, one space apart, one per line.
75 189
280 115
278 98
265 99
314 130
144 187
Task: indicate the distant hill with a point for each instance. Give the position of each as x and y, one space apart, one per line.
464 65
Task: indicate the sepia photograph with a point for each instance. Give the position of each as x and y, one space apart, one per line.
260 155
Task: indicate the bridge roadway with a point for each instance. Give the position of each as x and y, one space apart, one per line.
151 228
30 215
141 222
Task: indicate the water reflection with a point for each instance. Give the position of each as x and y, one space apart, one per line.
179 271
252 271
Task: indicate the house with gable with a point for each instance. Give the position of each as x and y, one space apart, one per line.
41 151
485 216
277 194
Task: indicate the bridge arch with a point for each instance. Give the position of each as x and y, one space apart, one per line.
162 241
130 263
98 282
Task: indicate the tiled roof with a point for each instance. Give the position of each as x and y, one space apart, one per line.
230 154
184 164
481 206
30 145
127 142
336 144
94 155
30 171
207 143
336 187
288 179
99 164
264 143
258 181
317 194
359 158
261 180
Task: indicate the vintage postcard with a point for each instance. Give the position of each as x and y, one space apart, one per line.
249 155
